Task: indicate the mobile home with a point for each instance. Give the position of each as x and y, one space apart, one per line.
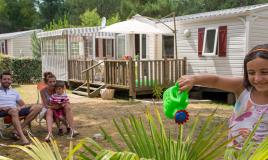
17 44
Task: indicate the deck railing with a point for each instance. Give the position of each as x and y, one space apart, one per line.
75 68
130 74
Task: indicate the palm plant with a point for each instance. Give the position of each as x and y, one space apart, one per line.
4 158
155 143
42 150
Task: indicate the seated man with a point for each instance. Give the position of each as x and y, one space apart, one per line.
9 99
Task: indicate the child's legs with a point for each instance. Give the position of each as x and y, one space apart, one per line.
57 121
69 115
58 116
49 119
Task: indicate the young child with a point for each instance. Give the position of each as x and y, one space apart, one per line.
251 93
58 101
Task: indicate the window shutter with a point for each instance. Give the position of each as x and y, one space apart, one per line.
6 52
201 32
104 47
222 41
97 47
112 48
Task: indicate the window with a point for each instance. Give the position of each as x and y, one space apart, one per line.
143 46
212 41
88 44
3 47
47 47
74 48
60 45
109 47
168 47
120 46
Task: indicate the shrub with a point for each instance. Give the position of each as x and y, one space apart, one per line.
25 70
5 63
157 91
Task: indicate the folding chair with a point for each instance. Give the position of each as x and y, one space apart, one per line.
6 122
2 128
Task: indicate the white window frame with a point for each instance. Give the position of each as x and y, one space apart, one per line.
74 48
141 52
89 46
48 47
215 42
163 47
117 43
60 45
109 54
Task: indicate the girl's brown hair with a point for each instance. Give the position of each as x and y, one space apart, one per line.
45 75
260 51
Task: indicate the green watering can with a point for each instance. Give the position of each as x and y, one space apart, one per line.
174 104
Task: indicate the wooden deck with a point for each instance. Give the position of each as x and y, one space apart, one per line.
138 77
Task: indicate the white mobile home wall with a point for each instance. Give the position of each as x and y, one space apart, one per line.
21 46
258 29
231 65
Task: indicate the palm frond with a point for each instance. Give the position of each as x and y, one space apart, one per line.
151 140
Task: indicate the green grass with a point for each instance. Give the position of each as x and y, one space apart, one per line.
28 93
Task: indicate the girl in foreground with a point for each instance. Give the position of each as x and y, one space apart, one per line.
251 93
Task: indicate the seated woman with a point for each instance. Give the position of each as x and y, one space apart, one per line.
43 84
40 86
46 93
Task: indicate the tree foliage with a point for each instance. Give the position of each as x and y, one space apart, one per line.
58 24
90 18
36 46
51 10
114 19
17 15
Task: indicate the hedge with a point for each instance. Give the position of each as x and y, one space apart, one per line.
24 70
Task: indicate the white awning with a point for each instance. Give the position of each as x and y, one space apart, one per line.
85 31
134 26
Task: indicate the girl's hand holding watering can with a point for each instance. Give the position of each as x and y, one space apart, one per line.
186 82
174 104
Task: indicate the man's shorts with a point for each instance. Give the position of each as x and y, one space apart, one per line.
23 112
